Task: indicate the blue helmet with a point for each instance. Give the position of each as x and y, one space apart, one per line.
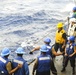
43 48
71 38
5 52
20 50
74 9
47 40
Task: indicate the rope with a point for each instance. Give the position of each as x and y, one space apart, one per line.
31 62
36 43
42 37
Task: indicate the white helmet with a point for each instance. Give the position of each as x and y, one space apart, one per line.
72 20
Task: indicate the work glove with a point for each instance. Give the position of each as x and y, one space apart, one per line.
30 52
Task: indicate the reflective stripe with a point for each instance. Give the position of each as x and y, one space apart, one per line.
71 47
48 47
44 58
17 61
3 60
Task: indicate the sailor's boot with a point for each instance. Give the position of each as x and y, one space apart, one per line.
73 70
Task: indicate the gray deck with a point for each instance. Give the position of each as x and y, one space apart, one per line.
58 64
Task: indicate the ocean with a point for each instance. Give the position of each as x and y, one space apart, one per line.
25 23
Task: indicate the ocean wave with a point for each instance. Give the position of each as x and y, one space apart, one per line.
29 21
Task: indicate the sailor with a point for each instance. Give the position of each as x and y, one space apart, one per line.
5 64
60 38
19 60
50 48
73 14
72 27
70 54
43 64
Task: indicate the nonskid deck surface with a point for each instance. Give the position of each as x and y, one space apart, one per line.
58 65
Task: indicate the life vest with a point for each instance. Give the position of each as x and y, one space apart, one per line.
58 37
71 30
70 50
3 63
20 71
44 63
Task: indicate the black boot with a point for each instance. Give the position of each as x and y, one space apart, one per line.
73 71
63 69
